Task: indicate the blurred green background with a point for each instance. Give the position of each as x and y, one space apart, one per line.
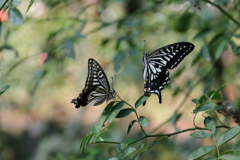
44 60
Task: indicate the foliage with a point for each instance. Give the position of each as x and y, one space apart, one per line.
38 50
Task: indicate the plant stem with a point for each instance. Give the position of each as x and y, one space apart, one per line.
137 117
172 134
104 142
216 146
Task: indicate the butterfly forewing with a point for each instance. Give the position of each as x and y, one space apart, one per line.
97 88
155 73
171 55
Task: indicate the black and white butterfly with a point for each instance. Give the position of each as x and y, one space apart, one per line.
157 63
97 88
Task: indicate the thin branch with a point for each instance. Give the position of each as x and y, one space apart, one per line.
172 134
224 12
104 142
137 117
3 4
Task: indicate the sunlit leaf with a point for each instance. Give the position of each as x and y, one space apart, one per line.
228 135
230 155
124 112
200 152
106 112
130 126
143 121
4 89
30 5
15 16
116 109
210 124
85 141
200 134
141 100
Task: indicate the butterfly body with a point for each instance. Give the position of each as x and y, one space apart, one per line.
157 63
97 88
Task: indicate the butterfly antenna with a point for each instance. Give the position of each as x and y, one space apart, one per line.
113 80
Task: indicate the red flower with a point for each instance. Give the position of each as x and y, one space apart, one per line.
42 58
3 15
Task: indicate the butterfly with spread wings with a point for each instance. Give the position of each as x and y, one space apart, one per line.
97 88
157 63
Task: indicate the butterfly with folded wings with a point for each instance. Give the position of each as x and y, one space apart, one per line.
157 63
97 88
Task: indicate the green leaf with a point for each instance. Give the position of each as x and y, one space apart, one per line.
230 155
106 112
128 151
130 126
207 106
200 152
30 5
69 49
202 33
219 51
143 121
228 135
205 53
124 112
141 100
15 16
214 95
200 134
210 124
14 3
195 100
4 89
116 109
85 141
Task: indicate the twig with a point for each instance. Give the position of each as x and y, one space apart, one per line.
223 11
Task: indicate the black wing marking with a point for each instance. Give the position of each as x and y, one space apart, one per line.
97 88
155 73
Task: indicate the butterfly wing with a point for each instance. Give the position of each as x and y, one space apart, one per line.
97 88
155 73
98 79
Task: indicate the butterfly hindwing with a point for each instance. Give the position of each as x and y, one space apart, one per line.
157 63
